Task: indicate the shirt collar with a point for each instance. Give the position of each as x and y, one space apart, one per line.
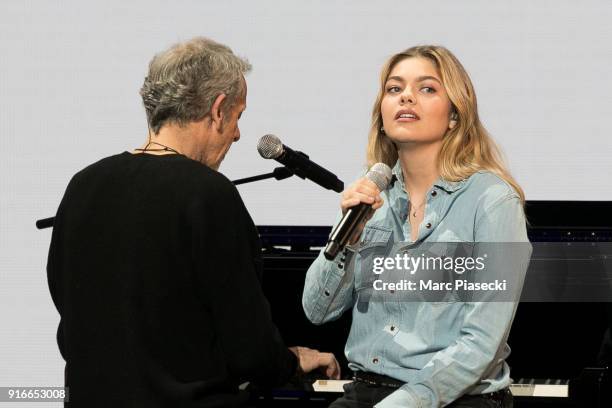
448 186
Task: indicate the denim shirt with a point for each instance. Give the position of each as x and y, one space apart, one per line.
441 350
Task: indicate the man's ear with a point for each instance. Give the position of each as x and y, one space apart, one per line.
216 111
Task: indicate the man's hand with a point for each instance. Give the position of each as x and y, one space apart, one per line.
310 359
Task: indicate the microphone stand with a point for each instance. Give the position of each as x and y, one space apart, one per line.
279 173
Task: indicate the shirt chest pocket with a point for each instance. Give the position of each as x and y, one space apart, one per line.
373 249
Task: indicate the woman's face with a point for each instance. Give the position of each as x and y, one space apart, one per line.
415 106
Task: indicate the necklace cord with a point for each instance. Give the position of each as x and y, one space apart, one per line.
150 142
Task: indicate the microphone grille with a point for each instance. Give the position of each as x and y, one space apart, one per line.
380 174
270 147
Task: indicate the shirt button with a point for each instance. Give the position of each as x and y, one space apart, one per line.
326 292
392 328
434 193
428 225
375 360
340 266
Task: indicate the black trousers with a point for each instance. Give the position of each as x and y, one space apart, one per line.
360 395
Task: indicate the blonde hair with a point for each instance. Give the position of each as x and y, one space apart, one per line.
466 148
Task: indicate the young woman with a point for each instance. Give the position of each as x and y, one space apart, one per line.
450 186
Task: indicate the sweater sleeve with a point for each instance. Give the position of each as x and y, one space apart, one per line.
55 264
227 261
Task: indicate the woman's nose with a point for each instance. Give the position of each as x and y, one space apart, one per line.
406 97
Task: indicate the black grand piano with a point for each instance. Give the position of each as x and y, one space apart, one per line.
556 355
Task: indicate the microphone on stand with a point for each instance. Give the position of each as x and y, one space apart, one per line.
380 174
270 147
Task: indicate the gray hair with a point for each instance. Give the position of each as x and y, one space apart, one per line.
184 81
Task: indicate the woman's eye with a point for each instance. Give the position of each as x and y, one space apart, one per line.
393 89
428 89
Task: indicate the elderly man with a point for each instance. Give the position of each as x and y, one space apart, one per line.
154 259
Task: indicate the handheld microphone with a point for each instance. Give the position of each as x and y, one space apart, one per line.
270 147
380 174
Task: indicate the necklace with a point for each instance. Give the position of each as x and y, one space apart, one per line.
415 209
164 148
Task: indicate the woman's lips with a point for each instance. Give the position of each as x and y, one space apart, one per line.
406 115
406 119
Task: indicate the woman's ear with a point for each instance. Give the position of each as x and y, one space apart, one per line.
453 120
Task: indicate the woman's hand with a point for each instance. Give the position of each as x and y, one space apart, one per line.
361 191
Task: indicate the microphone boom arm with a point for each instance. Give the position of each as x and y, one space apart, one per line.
279 173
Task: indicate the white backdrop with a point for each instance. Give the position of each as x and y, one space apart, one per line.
70 75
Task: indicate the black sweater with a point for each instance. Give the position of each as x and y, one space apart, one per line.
154 268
